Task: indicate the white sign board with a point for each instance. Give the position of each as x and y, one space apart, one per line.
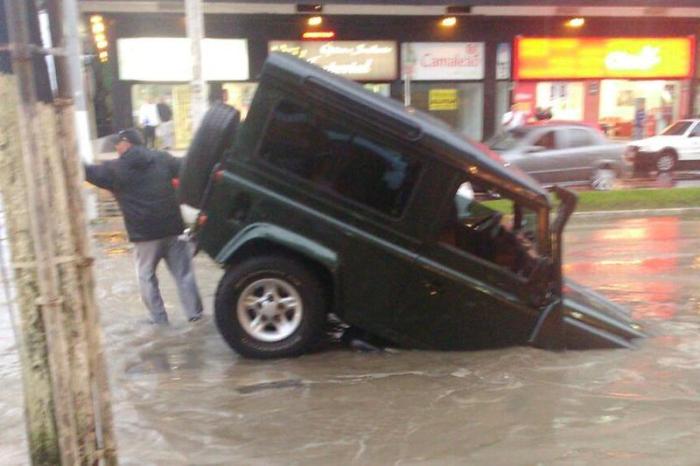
443 61
163 59
353 59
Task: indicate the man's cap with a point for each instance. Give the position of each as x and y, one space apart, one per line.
130 135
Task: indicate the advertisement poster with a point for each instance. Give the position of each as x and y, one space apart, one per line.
442 99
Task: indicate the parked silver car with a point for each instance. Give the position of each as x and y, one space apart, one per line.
557 152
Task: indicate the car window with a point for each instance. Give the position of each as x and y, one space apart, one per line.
345 161
507 140
579 137
499 231
677 129
547 140
695 132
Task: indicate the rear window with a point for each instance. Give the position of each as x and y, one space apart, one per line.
337 158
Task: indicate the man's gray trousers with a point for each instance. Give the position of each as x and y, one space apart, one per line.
178 257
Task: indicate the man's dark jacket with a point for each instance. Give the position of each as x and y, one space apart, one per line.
141 180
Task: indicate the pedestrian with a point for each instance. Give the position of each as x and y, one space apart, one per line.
165 128
142 183
148 119
513 118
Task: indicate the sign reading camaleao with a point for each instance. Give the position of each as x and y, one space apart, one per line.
442 61
353 59
603 58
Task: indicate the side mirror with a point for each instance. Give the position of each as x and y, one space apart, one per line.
532 149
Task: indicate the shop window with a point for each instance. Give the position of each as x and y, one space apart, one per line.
337 159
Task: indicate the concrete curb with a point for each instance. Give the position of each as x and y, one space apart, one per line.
637 212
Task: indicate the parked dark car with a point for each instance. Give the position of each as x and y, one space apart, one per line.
558 152
332 199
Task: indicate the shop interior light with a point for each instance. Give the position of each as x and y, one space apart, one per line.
98 27
95 19
318 35
104 56
315 21
100 37
101 45
576 22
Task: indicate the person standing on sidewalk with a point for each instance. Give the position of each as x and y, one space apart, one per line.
165 129
148 119
142 183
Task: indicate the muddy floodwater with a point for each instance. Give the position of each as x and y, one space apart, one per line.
181 397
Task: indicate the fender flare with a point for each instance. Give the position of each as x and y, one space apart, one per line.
310 249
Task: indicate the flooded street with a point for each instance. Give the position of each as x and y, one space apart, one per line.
182 397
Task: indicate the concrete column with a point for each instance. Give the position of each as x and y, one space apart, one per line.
195 32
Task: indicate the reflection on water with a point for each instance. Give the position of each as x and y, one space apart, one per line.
181 397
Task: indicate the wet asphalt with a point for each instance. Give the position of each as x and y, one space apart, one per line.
182 397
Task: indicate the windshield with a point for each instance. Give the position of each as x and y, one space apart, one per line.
507 140
677 129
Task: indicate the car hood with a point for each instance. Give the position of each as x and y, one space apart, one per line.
592 321
658 142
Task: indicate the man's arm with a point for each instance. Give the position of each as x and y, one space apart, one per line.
101 175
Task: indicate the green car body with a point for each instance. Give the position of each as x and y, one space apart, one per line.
363 194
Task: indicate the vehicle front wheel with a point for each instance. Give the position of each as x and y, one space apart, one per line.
270 307
666 161
603 179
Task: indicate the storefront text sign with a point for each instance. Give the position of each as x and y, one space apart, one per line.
442 99
353 59
443 61
170 59
603 58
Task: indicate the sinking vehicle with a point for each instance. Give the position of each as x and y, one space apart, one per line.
329 199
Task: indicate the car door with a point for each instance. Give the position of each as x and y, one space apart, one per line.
579 156
459 298
691 150
536 152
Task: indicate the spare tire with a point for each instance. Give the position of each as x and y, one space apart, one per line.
215 134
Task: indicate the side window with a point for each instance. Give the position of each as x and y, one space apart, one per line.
695 132
499 231
347 162
579 138
546 140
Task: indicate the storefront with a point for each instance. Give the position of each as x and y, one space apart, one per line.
160 70
631 87
445 79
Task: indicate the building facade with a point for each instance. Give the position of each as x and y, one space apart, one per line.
467 75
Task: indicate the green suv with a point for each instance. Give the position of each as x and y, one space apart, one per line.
329 199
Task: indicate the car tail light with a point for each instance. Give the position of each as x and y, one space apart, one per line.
218 176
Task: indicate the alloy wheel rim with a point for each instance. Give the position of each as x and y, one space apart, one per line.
269 309
664 163
603 180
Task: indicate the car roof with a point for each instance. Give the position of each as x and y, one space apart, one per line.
413 125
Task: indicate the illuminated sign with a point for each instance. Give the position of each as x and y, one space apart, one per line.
438 61
603 58
318 35
170 59
353 59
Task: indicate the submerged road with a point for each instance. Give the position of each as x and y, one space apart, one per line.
181 397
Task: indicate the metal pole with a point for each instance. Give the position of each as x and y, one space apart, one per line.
195 31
